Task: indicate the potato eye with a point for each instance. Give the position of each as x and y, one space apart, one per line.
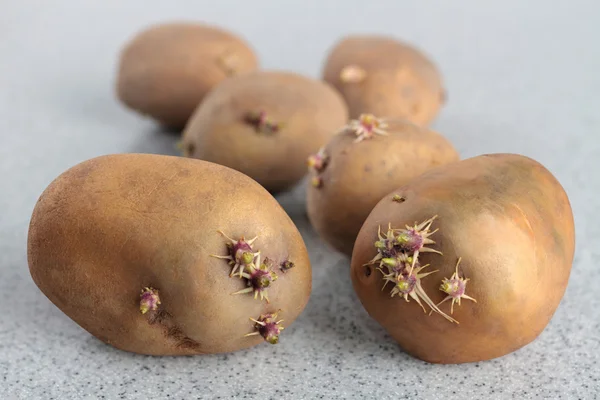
190 149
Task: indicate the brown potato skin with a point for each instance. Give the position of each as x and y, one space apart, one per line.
311 111
113 225
511 222
400 81
166 70
358 175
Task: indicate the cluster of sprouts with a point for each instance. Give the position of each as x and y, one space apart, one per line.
317 164
366 127
268 327
258 276
397 257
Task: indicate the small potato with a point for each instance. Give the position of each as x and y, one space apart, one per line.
359 166
168 256
487 242
382 76
167 69
265 124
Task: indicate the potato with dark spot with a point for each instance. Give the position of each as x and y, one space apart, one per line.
168 256
386 77
474 261
167 69
358 167
265 124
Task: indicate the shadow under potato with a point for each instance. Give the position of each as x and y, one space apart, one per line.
336 316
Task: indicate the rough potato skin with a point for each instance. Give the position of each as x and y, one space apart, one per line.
358 175
311 112
113 225
511 222
167 69
400 81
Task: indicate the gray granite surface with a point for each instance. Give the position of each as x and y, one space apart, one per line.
522 76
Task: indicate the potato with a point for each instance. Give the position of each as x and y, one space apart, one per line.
485 245
383 76
167 69
352 173
265 124
129 246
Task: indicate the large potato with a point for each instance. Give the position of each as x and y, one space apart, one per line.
265 124
386 77
128 247
508 221
350 176
167 69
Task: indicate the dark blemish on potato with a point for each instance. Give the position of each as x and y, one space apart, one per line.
172 331
188 149
286 266
188 344
398 199
158 317
368 270
183 341
367 168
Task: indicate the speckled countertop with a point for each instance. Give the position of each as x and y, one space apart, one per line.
521 76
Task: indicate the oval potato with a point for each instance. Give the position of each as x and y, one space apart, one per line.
510 222
300 115
358 174
383 76
167 69
109 227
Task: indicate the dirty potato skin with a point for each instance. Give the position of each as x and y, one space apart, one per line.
358 175
306 112
398 81
166 70
110 226
511 222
